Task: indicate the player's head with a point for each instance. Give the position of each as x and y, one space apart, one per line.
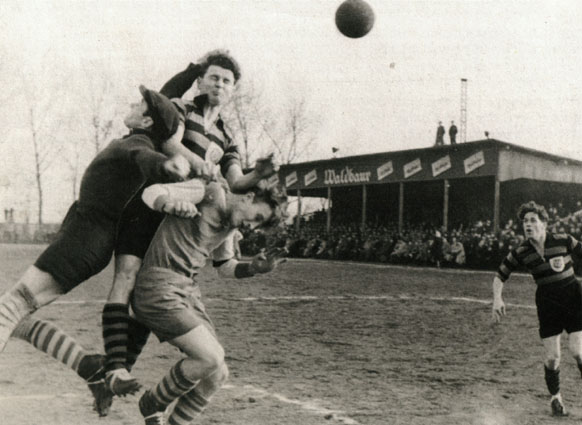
263 206
534 219
155 113
219 74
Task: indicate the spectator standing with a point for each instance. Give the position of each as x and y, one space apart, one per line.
440 135
453 133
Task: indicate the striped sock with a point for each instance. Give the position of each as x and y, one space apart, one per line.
137 339
48 338
188 407
172 386
15 305
115 320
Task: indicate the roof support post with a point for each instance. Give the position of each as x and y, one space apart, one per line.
298 220
328 225
401 207
496 200
364 205
446 205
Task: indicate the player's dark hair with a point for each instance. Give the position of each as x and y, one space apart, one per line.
276 197
532 207
224 60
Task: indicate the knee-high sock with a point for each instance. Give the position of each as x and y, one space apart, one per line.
15 305
49 339
195 401
137 339
115 321
171 387
188 407
552 380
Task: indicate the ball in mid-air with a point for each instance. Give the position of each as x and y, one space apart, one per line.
354 18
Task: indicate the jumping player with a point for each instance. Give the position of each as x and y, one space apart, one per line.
166 298
548 257
205 143
86 240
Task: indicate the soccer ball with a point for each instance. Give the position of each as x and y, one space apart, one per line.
354 18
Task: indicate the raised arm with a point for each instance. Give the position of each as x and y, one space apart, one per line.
181 82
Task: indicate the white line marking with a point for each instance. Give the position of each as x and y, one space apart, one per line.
337 297
310 406
38 396
401 267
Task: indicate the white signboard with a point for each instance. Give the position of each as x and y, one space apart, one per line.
412 168
474 161
441 165
310 177
385 170
291 179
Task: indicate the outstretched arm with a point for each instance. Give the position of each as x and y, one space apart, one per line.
239 182
498 304
175 198
263 262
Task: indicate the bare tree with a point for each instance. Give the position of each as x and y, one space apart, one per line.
45 148
248 117
298 127
100 105
43 109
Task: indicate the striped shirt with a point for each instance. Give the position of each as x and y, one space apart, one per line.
554 267
214 145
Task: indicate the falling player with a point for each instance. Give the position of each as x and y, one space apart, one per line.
167 298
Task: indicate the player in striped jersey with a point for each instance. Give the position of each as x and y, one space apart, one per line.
548 257
205 143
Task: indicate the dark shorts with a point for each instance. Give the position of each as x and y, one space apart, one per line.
83 247
559 309
168 303
137 226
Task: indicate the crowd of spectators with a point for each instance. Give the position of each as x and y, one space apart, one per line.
476 246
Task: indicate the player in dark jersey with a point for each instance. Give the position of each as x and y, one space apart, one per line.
86 240
206 144
548 257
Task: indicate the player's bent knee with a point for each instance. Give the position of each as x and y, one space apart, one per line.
222 374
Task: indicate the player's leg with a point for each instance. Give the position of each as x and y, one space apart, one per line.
575 345
49 339
205 360
195 401
138 337
115 321
35 289
552 373
137 227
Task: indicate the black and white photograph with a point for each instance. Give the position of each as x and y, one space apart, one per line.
281 212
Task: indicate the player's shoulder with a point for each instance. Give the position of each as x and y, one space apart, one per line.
560 236
214 192
131 140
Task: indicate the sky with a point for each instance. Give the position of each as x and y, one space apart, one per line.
383 92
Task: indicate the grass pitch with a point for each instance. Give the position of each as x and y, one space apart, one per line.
319 343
